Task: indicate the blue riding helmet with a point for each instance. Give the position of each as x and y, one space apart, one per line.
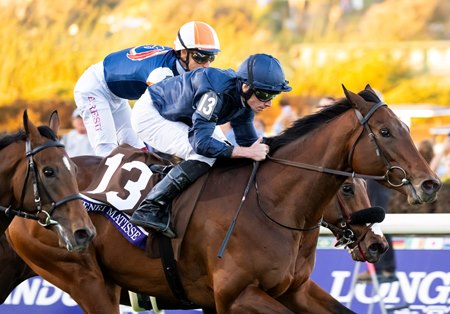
262 71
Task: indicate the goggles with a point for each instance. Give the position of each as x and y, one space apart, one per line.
202 58
264 95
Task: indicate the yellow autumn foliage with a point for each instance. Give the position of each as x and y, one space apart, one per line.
46 45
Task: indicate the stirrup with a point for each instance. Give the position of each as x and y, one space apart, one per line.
167 230
161 226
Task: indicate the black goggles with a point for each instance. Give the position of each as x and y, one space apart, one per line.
202 58
264 95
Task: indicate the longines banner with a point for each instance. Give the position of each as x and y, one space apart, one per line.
424 275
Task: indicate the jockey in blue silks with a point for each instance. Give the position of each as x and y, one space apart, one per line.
179 115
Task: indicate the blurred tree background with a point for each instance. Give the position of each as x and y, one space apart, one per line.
322 44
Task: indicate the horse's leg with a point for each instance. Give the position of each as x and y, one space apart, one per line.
251 300
13 269
311 298
76 273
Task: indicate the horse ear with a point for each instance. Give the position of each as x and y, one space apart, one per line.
54 122
346 91
368 87
355 100
30 129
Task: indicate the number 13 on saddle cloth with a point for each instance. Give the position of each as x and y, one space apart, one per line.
122 181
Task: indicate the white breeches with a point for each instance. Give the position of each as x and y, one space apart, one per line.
107 117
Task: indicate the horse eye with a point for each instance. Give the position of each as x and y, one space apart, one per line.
347 189
385 132
49 172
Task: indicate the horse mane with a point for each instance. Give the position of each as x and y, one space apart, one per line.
308 123
21 136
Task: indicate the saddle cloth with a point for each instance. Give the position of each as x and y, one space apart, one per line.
122 181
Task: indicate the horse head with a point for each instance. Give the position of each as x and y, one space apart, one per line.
43 183
357 136
384 142
354 222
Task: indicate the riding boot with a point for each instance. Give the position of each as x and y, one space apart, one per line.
153 211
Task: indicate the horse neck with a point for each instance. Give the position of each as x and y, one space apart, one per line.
301 195
11 171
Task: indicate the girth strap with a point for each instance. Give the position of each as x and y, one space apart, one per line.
170 268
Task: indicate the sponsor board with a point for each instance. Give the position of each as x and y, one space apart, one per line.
37 296
424 276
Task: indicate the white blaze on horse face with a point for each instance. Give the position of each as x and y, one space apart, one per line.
67 163
377 229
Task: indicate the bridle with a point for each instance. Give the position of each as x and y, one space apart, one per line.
47 221
345 235
363 120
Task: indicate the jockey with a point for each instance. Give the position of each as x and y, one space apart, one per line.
102 92
179 116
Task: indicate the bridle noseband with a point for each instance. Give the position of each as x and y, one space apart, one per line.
47 221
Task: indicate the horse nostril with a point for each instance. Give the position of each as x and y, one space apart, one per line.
377 248
431 186
82 237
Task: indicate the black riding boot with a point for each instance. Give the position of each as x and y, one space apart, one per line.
152 212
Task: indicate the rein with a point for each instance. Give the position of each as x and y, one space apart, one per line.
31 168
347 234
279 223
323 169
233 223
363 120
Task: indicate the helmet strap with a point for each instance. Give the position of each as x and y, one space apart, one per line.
249 93
186 61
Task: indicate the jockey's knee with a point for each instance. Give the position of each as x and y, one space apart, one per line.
194 168
104 149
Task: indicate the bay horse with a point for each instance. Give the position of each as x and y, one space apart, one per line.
260 271
366 243
39 183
